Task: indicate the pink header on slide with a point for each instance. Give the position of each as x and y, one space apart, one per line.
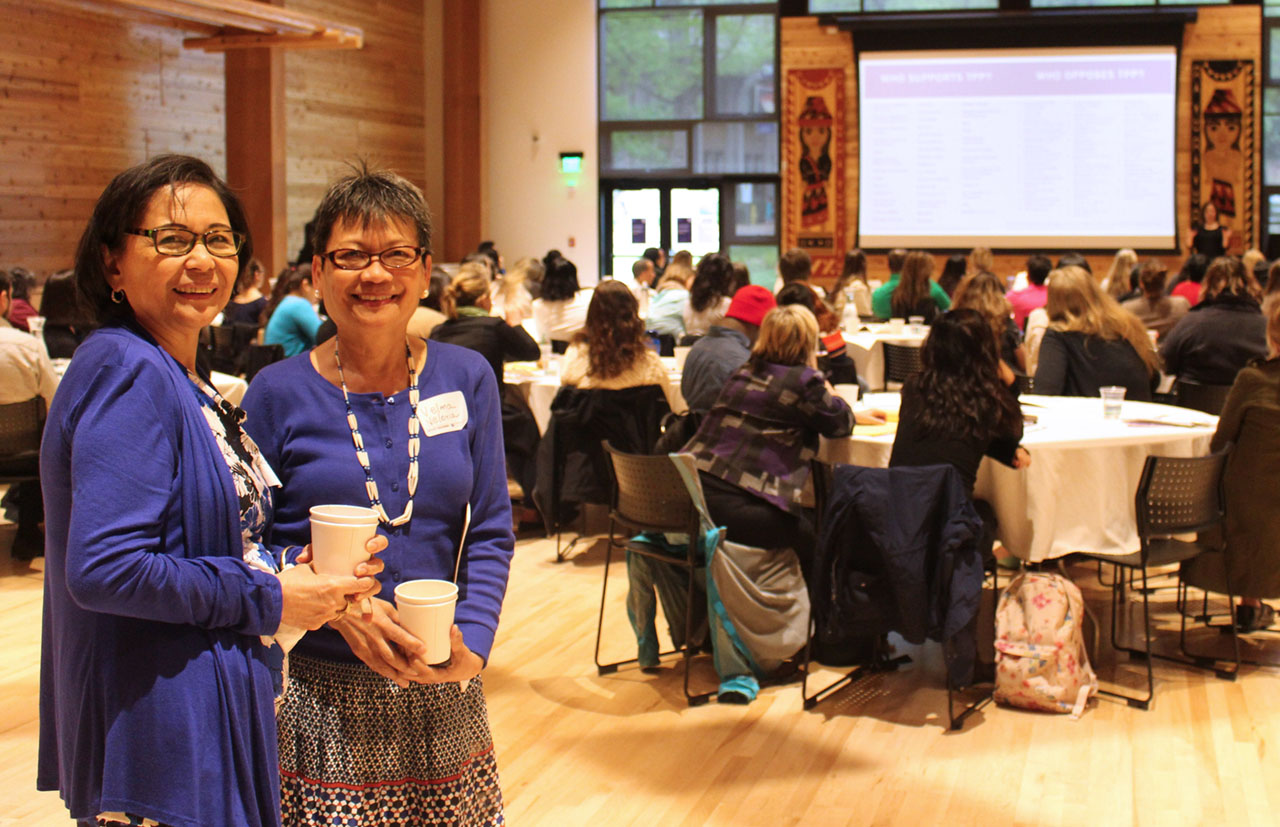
1047 77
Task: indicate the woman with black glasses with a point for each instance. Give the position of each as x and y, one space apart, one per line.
370 733
163 606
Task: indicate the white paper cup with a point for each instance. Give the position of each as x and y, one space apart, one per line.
426 609
847 392
1112 401
338 537
896 325
681 353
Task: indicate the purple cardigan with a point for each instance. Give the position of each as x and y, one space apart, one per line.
299 421
155 697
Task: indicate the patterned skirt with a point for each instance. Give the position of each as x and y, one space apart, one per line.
357 750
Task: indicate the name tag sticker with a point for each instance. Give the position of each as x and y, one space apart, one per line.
443 413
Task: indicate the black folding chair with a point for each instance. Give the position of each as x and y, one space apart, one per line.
1176 496
1207 398
901 362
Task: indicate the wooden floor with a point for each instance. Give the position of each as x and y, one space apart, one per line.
574 748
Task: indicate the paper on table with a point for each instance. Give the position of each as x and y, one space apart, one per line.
890 427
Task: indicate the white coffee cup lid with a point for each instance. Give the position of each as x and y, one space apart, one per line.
344 514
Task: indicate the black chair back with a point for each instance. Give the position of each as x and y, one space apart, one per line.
259 356
1180 495
900 362
21 424
1207 398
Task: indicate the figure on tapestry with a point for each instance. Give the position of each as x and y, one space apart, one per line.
815 160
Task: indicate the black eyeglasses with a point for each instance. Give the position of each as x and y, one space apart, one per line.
177 241
394 258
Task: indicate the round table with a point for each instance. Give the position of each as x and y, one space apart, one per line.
1077 495
539 386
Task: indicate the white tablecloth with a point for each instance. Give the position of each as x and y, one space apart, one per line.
539 388
866 348
1078 493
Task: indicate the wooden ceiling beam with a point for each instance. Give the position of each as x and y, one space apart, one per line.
257 24
331 39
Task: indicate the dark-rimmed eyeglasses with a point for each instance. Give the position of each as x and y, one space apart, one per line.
176 241
394 258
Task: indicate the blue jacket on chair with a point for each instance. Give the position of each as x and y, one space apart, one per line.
898 553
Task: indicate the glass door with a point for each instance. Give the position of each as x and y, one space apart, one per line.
637 225
695 221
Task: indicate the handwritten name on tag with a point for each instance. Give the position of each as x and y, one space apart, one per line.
443 413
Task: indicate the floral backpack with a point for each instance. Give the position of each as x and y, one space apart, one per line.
1041 662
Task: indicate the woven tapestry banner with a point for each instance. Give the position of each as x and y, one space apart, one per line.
813 168
1222 141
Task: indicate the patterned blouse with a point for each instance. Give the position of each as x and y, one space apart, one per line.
763 430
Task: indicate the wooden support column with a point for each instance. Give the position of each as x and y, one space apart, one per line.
256 150
463 135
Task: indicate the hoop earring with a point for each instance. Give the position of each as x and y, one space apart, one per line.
117 296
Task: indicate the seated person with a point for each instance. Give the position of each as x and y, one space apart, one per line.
466 303
960 407
1153 308
292 321
710 292
833 356
725 348
612 350
983 292
67 321
666 306
561 310
913 292
247 301
753 449
1092 342
25 373
1250 419
1222 333
1035 294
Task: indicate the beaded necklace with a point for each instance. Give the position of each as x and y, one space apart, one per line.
363 456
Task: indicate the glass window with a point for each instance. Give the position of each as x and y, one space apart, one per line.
624 4
1271 8
735 147
928 5
755 210
1273 53
761 261
744 64
652 64
1271 149
649 149
1055 4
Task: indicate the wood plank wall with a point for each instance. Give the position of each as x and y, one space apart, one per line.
1220 33
345 105
84 96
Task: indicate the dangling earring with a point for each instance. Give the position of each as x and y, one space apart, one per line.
117 296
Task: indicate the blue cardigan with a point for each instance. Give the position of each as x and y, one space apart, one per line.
299 421
155 697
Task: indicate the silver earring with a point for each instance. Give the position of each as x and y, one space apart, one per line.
117 296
